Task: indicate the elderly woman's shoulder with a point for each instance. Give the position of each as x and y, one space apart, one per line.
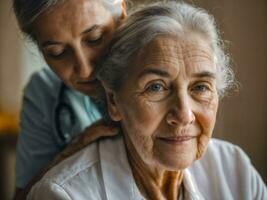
226 149
75 170
226 170
226 155
81 176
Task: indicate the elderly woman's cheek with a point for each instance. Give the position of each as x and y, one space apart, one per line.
141 116
206 119
144 113
141 123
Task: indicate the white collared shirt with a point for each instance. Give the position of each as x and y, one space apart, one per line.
101 172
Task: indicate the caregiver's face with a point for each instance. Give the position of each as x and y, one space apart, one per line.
168 104
71 36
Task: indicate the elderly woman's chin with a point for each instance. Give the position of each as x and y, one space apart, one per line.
164 154
176 157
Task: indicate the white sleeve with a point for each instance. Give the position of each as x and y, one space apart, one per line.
259 190
251 179
45 190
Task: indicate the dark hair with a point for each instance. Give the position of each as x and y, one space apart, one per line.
27 11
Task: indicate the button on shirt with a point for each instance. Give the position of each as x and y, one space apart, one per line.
101 171
38 140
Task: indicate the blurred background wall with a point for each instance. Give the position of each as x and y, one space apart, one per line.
242 117
18 60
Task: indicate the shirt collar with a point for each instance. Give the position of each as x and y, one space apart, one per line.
117 175
191 191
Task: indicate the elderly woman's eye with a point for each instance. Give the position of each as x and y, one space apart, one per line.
155 87
156 91
201 88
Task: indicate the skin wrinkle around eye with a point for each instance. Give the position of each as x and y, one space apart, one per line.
157 76
161 96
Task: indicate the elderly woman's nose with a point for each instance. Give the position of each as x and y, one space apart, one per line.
181 113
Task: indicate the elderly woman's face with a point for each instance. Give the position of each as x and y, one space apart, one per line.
71 36
168 103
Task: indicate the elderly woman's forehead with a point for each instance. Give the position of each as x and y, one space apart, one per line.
177 47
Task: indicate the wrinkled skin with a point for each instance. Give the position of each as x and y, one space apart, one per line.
71 36
167 108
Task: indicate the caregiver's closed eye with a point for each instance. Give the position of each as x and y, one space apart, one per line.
97 40
55 52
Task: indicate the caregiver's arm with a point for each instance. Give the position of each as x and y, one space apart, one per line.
36 142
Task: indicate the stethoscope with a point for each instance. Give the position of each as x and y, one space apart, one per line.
64 116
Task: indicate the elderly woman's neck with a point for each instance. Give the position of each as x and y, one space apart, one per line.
154 183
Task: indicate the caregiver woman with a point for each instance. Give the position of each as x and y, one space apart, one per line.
70 34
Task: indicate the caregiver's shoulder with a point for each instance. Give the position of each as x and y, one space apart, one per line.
43 81
81 169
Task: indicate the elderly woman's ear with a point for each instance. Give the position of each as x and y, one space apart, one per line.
113 109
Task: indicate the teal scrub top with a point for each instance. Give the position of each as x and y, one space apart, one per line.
39 140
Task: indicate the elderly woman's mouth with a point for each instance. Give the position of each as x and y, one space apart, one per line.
177 139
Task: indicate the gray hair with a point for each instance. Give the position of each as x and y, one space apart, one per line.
27 11
145 24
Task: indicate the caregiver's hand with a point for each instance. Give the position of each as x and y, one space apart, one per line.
92 133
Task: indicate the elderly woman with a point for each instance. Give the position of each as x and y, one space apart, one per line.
163 74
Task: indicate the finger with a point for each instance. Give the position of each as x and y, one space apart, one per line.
91 135
100 130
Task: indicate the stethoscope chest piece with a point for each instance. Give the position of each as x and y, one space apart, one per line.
64 118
